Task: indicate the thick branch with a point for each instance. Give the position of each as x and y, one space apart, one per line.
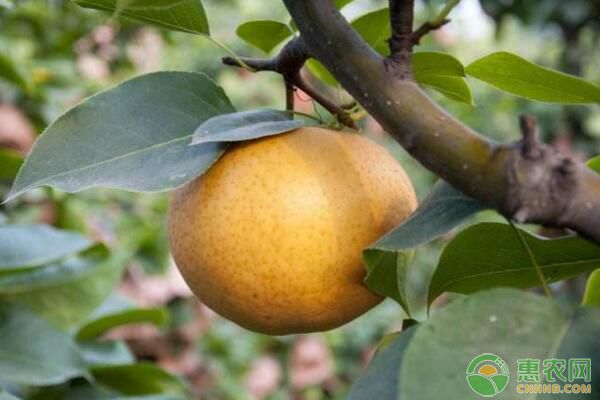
561 192
288 63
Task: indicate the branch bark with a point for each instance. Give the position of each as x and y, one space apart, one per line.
401 43
547 188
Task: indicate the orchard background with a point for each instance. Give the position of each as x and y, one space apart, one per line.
149 337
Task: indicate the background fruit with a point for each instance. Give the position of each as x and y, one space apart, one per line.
271 236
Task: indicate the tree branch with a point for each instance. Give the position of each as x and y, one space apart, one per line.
550 189
425 29
401 43
288 63
440 20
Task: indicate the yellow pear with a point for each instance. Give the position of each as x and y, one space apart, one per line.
271 236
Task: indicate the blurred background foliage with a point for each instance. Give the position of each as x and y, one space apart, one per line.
64 53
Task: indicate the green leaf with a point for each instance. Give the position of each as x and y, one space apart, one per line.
264 34
375 29
138 379
387 260
592 290
178 15
381 379
491 255
10 162
453 88
10 73
32 352
27 246
320 72
426 63
594 164
106 353
66 292
444 73
520 77
245 125
509 323
99 326
342 3
134 136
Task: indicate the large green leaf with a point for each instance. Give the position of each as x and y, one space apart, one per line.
10 73
178 15
65 292
264 34
27 246
520 77
134 136
32 352
508 323
245 125
592 290
138 379
492 255
387 260
10 162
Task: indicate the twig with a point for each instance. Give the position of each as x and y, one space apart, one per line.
425 29
530 145
288 63
333 108
440 20
404 38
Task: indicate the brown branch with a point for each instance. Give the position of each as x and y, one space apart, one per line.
333 108
424 29
529 130
550 189
289 63
401 43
